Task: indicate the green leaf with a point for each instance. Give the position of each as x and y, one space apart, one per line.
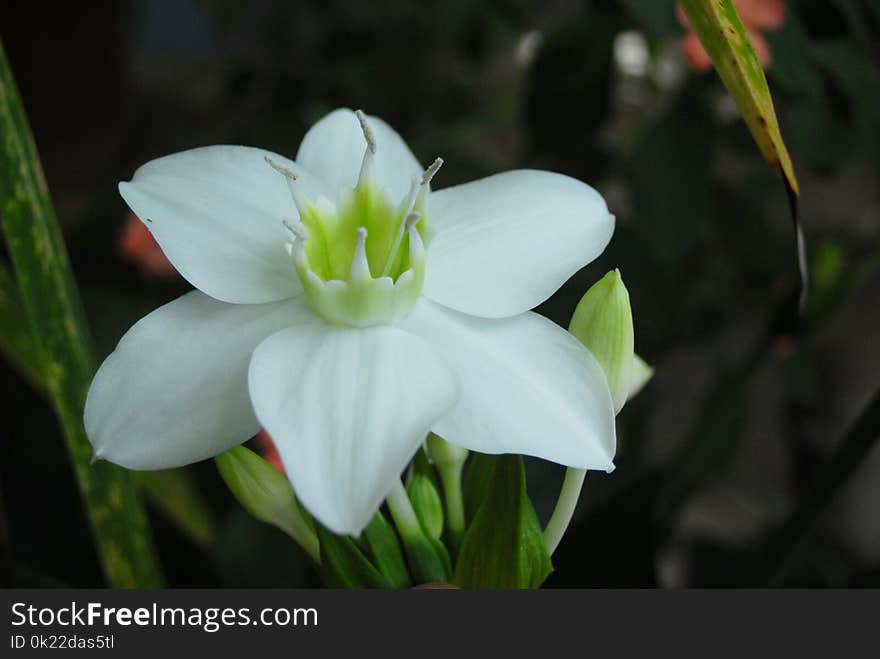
15 337
385 549
174 495
267 495
723 35
477 479
504 546
53 314
721 31
344 565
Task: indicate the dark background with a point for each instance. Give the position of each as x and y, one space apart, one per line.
719 457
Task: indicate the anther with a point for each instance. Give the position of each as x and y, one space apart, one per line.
367 163
298 229
432 169
281 169
426 179
296 194
368 132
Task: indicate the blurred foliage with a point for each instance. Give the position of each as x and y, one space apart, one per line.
749 400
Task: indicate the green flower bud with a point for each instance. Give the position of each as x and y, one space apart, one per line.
603 322
426 502
267 495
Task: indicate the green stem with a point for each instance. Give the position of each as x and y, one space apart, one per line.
565 505
403 513
450 475
428 559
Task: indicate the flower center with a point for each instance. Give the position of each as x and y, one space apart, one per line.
361 261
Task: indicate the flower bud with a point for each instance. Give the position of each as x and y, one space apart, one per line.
267 495
426 502
603 322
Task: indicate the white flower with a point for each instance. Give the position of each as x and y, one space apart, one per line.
377 311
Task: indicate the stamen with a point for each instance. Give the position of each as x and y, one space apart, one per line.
426 179
360 266
410 221
368 132
281 169
406 206
367 163
299 200
298 229
433 169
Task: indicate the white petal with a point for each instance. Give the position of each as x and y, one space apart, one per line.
334 149
216 212
347 409
504 244
175 389
526 386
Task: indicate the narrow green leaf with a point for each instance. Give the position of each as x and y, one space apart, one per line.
55 319
344 565
504 546
267 495
174 495
385 549
477 479
15 337
723 35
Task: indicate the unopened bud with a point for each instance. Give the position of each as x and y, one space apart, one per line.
603 322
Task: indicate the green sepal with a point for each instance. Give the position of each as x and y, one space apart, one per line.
384 547
504 545
267 495
344 565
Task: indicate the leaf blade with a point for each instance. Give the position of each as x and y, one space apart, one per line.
504 546
64 358
723 35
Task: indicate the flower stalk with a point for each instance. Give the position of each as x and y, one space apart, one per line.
564 510
449 460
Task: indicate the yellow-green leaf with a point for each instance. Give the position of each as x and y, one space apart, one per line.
723 35
61 355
